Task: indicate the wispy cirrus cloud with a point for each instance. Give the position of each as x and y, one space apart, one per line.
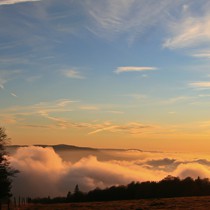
131 18
188 33
8 119
137 96
89 107
108 128
42 109
190 29
58 115
65 102
204 95
204 124
115 112
33 78
177 99
72 73
6 2
50 112
131 128
6 76
122 69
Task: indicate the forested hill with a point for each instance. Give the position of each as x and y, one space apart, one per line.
59 147
168 187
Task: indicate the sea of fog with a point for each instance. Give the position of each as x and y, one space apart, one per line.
47 171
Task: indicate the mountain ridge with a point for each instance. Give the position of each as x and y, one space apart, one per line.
72 147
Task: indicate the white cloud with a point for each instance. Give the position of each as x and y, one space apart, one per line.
6 2
36 163
204 95
2 82
200 84
47 174
71 73
193 170
14 95
133 69
204 54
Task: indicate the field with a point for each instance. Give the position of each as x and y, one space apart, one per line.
192 203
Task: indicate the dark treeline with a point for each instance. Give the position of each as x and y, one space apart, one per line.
168 187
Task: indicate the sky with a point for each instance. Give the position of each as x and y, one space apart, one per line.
106 74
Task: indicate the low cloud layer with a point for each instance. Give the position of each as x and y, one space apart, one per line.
6 2
133 69
43 172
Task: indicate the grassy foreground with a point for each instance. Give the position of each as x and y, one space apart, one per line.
192 203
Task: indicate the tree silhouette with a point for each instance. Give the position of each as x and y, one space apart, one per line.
6 172
76 189
68 196
78 195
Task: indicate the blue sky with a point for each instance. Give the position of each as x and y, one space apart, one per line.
135 71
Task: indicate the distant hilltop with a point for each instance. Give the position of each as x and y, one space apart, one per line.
55 147
59 147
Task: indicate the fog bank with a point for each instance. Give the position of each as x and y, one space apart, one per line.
44 173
